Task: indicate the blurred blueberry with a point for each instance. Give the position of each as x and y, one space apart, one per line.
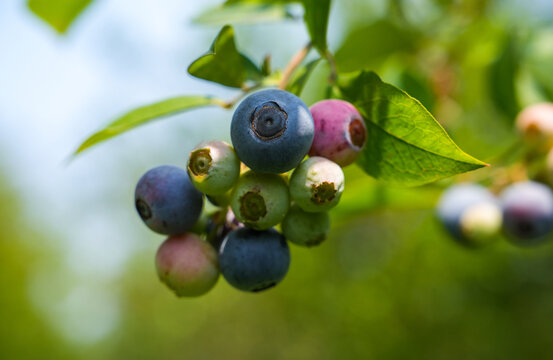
470 213
527 212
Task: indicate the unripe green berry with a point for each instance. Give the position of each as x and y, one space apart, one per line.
317 184
187 265
305 228
260 201
213 167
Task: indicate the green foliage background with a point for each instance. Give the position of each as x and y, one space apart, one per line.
388 283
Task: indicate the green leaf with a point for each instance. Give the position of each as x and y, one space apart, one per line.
316 20
223 64
300 77
58 13
502 80
368 45
145 114
245 13
405 144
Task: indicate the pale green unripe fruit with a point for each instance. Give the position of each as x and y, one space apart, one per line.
305 228
317 184
187 264
213 167
260 201
481 223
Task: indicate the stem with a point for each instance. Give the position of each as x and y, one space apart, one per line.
246 90
287 73
332 63
293 65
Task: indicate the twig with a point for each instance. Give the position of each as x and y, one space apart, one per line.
332 63
292 65
245 90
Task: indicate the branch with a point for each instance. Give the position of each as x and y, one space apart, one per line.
293 65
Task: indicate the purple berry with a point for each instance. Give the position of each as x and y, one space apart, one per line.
527 212
167 201
340 132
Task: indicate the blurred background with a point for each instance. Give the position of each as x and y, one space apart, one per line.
77 265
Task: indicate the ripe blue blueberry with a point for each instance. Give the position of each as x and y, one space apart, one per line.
272 131
470 213
527 212
252 260
167 201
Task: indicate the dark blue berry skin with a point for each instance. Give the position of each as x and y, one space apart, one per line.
167 201
252 260
527 212
272 131
455 200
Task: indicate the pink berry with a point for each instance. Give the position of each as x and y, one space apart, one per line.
340 132
535 123
187 265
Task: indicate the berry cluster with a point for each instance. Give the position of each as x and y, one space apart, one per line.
523 211
258 183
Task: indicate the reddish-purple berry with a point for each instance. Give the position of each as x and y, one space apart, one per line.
187 265
340 132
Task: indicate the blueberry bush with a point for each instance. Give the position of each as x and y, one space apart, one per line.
362 119
388 185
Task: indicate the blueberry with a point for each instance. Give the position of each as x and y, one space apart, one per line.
260 201
187 265
213 167
535 123
481 223
167 201
527 212
470 213
317 184
272 131
252 260
304 228
340 131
